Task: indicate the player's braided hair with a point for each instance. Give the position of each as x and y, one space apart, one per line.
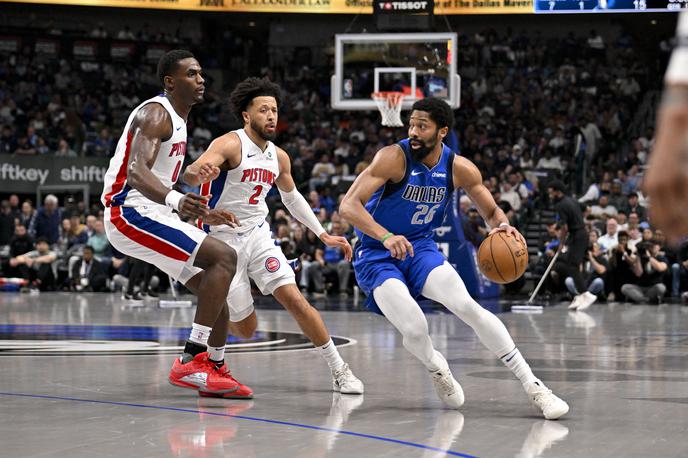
168 63
439 111
244 93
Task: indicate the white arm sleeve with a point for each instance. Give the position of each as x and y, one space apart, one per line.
299 208
677 71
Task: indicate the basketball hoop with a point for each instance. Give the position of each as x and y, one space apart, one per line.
389 104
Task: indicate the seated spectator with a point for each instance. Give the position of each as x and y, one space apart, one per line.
88 274
27 214
649 269
330 261
8 143
77 231
510 195
616 197
100 243
47 221
305 243
24 147
21 243
632 206
591 195
322 172
549 162
594 270
603 209
474 228
622 220
64 150
37 266
610 239
622 265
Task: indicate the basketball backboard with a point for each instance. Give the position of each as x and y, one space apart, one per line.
418 64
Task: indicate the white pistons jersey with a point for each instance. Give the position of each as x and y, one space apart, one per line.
167 165
242 190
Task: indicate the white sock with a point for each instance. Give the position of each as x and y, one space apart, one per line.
331 355
200 334
216 353
518 365
396 302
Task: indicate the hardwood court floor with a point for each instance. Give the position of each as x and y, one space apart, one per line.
85 376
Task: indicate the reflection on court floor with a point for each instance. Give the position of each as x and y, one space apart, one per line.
85 375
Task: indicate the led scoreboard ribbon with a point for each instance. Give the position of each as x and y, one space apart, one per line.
607 6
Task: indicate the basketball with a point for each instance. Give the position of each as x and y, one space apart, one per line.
502 257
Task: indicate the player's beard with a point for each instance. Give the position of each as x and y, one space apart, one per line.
421 153
261 132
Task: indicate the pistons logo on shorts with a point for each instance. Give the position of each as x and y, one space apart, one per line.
272 264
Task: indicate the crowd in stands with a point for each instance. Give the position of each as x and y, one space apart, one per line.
532 108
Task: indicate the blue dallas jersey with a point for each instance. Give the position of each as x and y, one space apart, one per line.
416 205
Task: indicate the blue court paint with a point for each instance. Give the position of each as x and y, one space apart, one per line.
242 417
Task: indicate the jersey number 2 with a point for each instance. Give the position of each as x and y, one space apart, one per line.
253 200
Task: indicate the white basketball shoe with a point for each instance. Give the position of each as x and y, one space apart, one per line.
448 389
551 406
344 381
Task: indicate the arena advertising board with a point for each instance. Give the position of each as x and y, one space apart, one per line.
26 173
308 6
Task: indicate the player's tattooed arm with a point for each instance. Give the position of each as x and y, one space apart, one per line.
223 153
468 177
151 126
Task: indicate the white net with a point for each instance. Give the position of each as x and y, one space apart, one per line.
389 104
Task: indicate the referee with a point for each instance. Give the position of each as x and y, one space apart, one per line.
573 226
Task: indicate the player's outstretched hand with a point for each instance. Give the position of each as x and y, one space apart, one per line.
194 205
511 230
208 173
217 217
399 247
336 241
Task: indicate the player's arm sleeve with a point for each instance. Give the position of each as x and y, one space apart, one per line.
299 208
677 71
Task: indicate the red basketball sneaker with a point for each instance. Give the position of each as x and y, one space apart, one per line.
200 374
242 392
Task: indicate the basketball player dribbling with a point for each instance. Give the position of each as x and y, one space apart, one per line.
666 179
141 223
395 204
238 170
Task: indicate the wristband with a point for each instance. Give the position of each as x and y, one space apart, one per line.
173 198
503 224
386 236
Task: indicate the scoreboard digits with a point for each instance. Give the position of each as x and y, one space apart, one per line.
608 6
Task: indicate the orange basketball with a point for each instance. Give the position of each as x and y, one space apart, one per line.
502 257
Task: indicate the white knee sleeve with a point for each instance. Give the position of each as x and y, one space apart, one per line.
395 301
444 285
